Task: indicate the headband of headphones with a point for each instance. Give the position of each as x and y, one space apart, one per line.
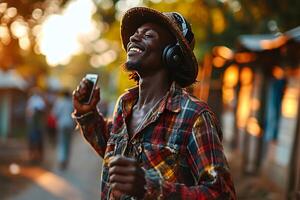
185 27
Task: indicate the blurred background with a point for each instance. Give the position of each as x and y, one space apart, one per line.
249 73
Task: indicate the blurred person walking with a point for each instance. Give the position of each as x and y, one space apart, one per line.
62 110
35 113
51 124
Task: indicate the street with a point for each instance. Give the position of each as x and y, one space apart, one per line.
81 180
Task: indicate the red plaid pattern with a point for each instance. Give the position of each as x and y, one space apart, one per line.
179 146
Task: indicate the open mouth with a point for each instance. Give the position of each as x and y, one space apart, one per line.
134 48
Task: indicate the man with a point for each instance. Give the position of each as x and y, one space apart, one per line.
162 143
62 110
35 111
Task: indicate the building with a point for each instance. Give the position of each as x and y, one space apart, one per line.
259 84
12 104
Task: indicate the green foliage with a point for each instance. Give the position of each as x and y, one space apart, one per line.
213 22
25 7
216 23
27 62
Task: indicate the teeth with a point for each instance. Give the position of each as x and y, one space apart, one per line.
135 49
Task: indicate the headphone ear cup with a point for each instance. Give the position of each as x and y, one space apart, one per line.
172 56
166 55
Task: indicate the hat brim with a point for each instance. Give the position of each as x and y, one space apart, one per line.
137 16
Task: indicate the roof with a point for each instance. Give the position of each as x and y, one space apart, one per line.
253 42
12 80
294 34
264 42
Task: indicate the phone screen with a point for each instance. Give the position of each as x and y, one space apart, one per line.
91 83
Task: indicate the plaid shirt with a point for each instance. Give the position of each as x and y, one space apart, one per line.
178 146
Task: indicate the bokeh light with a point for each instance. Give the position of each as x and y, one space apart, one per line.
14 168
62 35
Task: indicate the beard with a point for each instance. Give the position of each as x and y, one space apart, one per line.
132 66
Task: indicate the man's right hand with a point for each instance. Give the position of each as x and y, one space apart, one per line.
80 93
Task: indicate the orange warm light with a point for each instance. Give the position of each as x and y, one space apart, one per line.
5 37
228 95
244 57
218 61
253 127
231 76
204 75
243 109
230 80
278 72
14 168
273 44
52 183
60 46
223 51
289 106
218 20
255 104
246 76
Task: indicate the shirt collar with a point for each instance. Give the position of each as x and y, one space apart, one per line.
174 99
172 102
128 100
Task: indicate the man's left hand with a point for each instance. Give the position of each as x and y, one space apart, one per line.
126 177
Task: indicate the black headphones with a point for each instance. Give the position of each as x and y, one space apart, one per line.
172 55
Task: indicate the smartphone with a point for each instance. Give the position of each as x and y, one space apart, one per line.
92 82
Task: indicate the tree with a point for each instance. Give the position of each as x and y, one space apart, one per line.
19 21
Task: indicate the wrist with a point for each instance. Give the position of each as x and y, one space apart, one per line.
83 117
78 113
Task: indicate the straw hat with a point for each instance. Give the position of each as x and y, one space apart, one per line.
137 16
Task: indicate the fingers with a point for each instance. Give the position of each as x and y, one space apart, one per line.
81 93
122 187
81 90
76 99
122 165
125 176
95 97
116 194
121 160
122 170
121 178
130 188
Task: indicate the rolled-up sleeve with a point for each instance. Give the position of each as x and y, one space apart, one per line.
95 129
207 160
207 163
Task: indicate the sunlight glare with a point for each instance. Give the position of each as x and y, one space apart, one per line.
289 105
14 168
4 35
11 12
253 127
123 5
24 43
61 36
156 1
103 59
3 7
231 76
19 28
37 14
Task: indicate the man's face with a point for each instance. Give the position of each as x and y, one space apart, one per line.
145 48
